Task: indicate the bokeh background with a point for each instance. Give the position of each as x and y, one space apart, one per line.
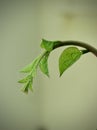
66 103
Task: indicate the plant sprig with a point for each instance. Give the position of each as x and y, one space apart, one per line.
68 57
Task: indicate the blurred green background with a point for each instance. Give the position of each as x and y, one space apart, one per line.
66 103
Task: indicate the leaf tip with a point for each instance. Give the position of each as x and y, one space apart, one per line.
19 81
48 75
23 71
60 74
24 91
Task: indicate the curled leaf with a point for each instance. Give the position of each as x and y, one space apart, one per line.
44 64
48 45
68 57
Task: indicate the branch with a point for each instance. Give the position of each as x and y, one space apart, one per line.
88 47
67 58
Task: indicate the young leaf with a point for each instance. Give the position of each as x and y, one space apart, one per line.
30 86
27 86
31 66
68 57
26 79
44 64
48 45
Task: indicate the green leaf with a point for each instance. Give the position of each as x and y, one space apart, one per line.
68 57
27 86
30 87
44 64
48 45
26 79
31 67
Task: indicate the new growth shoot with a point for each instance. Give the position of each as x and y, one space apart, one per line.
68 57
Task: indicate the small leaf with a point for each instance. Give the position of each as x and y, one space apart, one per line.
68 57
31 66
30 87
24 80
27 86
48 45
44 64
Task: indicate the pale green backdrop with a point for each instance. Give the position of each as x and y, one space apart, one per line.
66 103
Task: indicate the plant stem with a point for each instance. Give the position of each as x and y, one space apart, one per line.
88 47
85 51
